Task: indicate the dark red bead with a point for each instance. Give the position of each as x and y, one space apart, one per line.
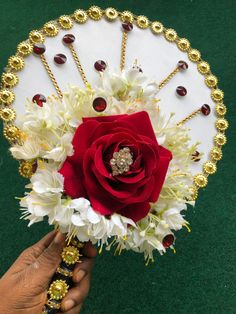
39 49
60 58
99 104
168 240
182 65
100 65
205 109
39 99
34 166
195 156
127 26
68 39
181 91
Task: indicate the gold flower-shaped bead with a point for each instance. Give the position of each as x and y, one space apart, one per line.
53 304
194 55
209 167
142 21
203 67
194 193
36 37
200 180
58 289
170 34
16 63
221 109
95 13
51 29
64 272
211 80
183 44
222 124
7 114
80 16
216 153
127 17
70 255
9 79
217 94
25 49
6 97
157 27
111 14
65 22
11 132
220 139
26 169
77 243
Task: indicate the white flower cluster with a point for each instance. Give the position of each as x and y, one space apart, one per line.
48 133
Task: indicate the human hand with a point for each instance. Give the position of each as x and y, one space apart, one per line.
23 288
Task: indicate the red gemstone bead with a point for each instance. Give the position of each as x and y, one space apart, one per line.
60 58
68 39
181 91
34 166
182 65
100 65
39 49
168 240
195 156
39 99
127 26
206 109
99 104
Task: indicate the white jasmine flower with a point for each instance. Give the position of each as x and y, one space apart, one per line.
38 119
29 150
47 180
40 205
173 218
64 148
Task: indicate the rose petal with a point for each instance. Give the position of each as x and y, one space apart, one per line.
135 211
72 180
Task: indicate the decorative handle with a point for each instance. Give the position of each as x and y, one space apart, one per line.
62 279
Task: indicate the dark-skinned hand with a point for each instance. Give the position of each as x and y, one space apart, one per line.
23 288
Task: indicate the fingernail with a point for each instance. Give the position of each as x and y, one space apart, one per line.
81 274
59 238
68 305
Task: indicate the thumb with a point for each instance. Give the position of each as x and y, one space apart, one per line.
49 260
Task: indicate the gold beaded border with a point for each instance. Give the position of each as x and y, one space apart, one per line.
50 29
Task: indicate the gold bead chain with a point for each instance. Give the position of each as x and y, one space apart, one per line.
52 77
123 50
168 78
78 64
189 117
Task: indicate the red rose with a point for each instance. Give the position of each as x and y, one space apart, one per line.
88 173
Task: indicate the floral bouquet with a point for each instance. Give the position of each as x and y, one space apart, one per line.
120 174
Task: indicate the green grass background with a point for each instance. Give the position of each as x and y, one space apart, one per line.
200 277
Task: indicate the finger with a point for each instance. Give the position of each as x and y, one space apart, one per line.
82 269
81 276
76 295
29 255
74 310
89 250
48 261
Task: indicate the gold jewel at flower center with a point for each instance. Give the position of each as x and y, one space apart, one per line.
121 161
